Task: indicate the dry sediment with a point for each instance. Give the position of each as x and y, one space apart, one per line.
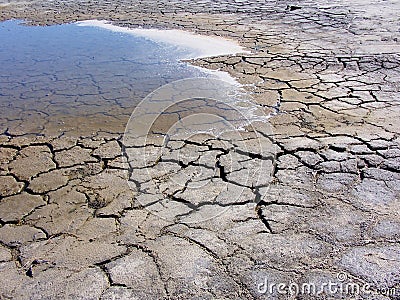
72 228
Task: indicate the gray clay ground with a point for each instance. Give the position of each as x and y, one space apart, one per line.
72 228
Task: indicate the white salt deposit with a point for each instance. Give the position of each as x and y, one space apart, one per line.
225 76
200 45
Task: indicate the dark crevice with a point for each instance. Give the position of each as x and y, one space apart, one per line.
263 219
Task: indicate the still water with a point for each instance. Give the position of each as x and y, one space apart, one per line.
69 79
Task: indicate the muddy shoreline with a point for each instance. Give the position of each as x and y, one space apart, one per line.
323 207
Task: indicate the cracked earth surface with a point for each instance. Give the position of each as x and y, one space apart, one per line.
328 72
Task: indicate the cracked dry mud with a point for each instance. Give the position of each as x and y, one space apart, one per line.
329 73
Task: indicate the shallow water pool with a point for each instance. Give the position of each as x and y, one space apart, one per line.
78 80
